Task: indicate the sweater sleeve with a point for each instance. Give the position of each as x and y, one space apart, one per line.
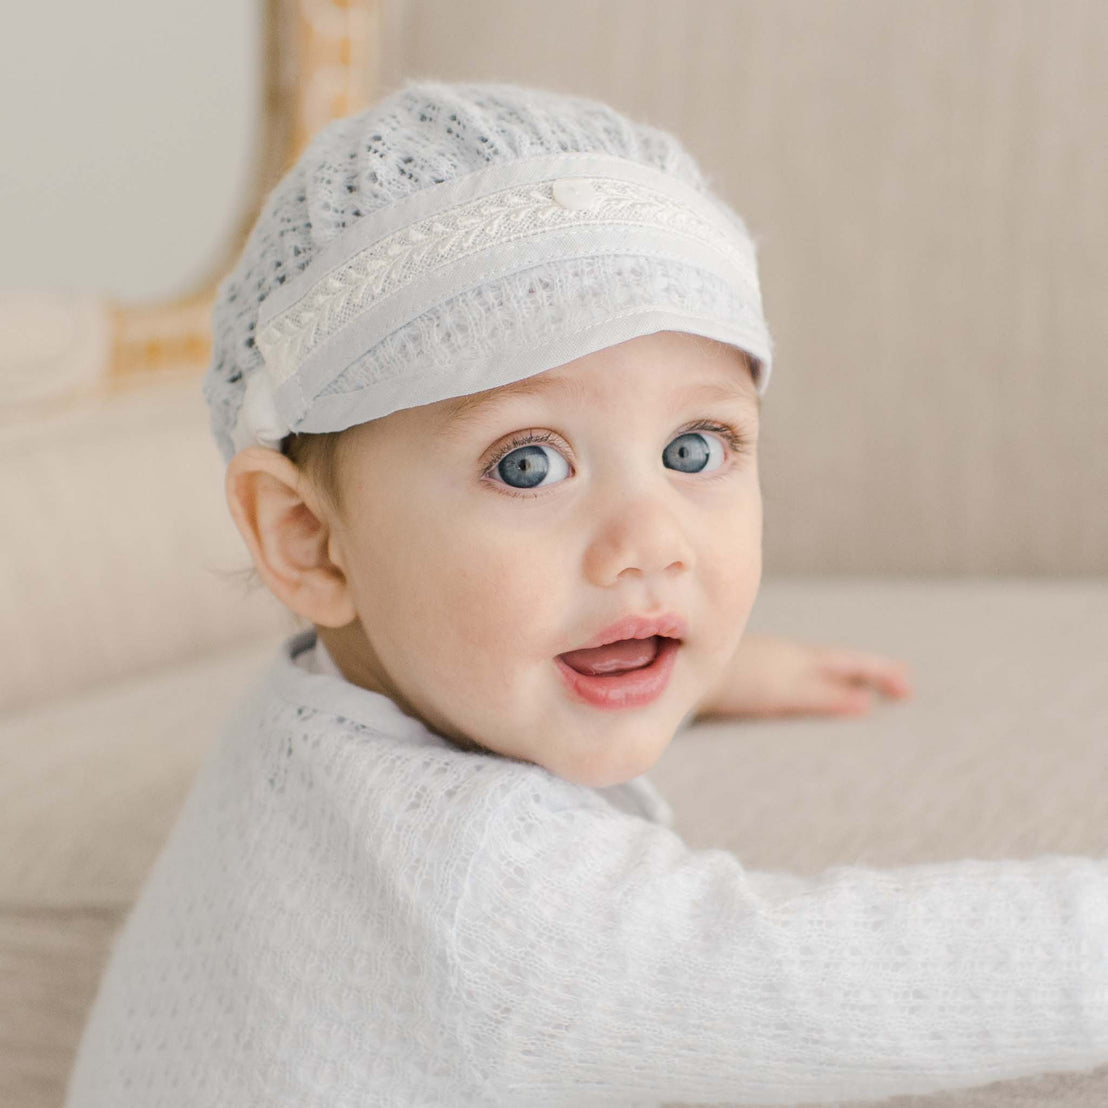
606 962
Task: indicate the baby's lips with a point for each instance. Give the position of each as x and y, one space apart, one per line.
668 625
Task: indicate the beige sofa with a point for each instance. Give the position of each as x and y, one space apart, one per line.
129 636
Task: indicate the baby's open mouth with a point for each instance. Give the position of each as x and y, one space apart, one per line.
616 657
629 673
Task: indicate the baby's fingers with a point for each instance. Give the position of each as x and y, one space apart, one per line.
859 667
823 695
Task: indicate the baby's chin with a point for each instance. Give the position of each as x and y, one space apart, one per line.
595 766
613 759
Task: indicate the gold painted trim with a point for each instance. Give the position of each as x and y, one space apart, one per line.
321 62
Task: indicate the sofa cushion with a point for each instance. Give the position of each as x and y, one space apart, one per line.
126 554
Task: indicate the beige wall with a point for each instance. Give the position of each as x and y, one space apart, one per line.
927 180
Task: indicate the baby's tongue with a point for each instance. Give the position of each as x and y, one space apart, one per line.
613 658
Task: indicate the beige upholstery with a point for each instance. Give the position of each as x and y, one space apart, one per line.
127 554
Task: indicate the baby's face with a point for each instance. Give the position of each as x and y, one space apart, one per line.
474 561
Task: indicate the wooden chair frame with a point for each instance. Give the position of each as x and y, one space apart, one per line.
321 62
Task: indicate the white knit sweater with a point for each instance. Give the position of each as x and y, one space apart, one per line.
352 912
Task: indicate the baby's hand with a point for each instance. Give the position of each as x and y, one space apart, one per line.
770 675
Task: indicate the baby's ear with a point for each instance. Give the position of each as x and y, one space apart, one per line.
286 531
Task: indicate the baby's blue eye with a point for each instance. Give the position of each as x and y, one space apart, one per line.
527 461
526 466
691 451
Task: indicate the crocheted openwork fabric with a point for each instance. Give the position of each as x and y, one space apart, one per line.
454 237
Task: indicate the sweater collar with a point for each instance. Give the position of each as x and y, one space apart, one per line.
299 686
329 691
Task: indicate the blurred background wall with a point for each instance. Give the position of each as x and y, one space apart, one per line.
129 140
926 181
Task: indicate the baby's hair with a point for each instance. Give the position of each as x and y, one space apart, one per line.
316 456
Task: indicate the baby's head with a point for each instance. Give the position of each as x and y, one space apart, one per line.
505 394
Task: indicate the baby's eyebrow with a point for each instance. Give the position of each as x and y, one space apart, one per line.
467 410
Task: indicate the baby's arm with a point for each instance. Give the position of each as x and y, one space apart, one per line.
770 675
602 959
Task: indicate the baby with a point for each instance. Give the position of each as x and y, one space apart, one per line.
488 380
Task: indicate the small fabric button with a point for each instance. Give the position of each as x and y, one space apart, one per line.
575 193
261 419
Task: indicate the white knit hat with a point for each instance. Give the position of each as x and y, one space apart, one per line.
456 237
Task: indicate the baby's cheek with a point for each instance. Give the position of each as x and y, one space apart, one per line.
490 595
502 605
731 568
